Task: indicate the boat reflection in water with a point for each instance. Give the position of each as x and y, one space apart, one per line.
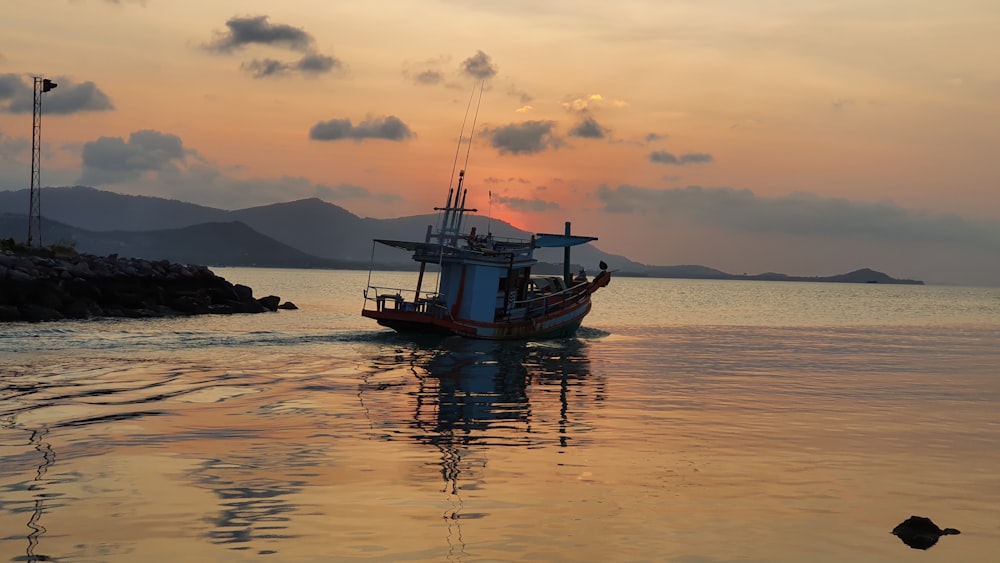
476 401
473 395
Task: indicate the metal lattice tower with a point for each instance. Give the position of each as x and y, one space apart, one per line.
42 85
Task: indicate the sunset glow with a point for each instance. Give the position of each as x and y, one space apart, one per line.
807 138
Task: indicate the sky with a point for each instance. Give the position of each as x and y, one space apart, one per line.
802 137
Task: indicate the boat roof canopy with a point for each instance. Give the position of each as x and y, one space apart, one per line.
407 245
543 240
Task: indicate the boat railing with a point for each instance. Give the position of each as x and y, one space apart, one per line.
400 299
548 302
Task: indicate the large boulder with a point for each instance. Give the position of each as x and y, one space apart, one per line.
270 302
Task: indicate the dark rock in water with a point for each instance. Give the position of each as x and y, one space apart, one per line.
243 293
288 305
44 287
920 533
36 313
270 302
9 313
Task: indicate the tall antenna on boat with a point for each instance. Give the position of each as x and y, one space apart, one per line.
454 209
453 217
454 164
461 134
472 132
468 151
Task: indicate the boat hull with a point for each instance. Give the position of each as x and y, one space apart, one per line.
558 324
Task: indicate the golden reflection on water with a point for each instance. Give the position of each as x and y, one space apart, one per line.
691 444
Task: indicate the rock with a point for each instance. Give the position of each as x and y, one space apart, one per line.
243 293
9 313
38 288
49 296
251 306
288 305
920 533
271 302
19 276
36 313
79 309
188 304
81 270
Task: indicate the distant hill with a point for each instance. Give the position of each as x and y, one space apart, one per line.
308 233
867 275
97 210
313 226
215 244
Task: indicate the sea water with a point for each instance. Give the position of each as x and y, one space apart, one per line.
688 421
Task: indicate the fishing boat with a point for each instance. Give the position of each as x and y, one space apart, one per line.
485 288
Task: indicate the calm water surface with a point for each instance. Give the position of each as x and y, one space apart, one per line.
689 421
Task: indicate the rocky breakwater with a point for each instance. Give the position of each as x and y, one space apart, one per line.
41 288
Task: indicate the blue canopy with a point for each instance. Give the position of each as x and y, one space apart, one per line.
543 240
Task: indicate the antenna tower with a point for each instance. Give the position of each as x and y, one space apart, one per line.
42 85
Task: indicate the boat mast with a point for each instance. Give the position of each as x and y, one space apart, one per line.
566 277
461 211
454 211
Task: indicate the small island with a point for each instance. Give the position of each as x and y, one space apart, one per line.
55 283
864 275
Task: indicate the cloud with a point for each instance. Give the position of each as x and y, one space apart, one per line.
581 104
316 62
653 137
528 137
798 215
426 72
524 97
534 205
479 66
12 87
588 129
261 68
17 96
389 127
312 63
11 148
841 104
664 157
512 179
256 30
591 102
429 77
111 160
156 163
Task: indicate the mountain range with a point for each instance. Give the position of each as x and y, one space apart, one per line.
308 233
